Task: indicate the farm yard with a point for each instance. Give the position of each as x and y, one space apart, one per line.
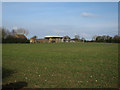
61 65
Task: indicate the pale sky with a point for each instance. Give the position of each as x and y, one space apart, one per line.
62 18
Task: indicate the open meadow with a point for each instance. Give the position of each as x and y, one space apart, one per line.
61 65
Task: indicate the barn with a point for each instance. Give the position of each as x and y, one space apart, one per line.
51 39
55 39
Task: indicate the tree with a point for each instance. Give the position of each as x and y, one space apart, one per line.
104 37
21 31
77 37
5 33
13 32
99 39
34 37
83 39
116 39
108 39
66 39
94 38
0 35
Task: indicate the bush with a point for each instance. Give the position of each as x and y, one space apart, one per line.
14 40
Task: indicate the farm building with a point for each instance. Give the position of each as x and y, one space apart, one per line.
34 40
55 39
51 39
42 40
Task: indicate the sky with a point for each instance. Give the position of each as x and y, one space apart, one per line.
85 19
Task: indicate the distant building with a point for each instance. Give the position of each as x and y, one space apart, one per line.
33 40
22 36
66 39
42 40
51 39
54 39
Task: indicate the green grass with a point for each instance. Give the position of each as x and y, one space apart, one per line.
63 65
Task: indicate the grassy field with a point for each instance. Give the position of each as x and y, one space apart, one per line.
63 65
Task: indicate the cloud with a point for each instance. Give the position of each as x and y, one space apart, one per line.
85 14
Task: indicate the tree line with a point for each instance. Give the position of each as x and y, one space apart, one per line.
106 38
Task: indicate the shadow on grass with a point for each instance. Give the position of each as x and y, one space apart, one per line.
6 73
14 86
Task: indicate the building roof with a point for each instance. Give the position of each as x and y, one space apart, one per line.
32 38
20 36
41 39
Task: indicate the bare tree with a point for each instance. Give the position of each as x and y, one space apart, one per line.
83 39
13 32
22 31
77 37
94 37
5 33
